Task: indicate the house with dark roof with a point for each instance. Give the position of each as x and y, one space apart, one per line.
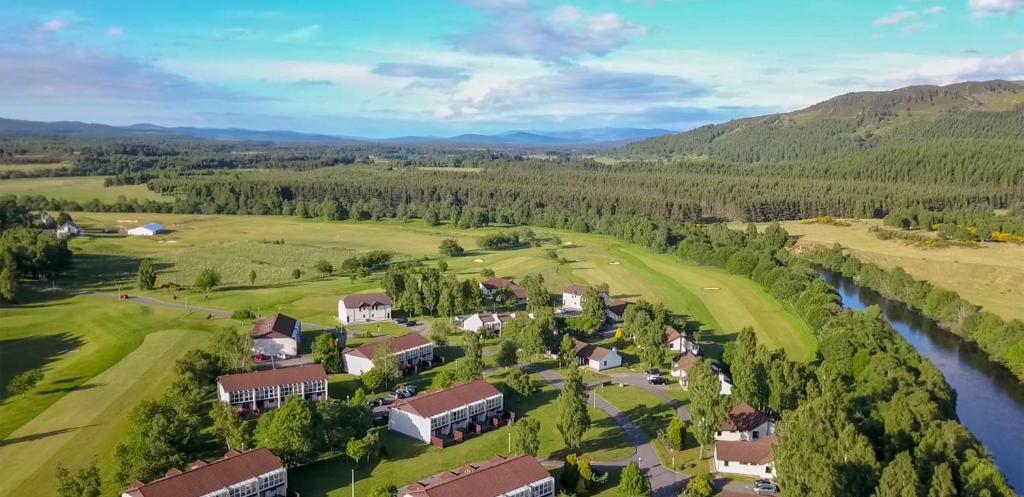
572 297
616 310
746 423
596 357
261 391
491 321
364 308
681 367
277 335
256 473
679 341
753 458
490 287
520 476
412 349
441 413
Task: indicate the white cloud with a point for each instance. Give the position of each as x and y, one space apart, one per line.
895 18
115 31
301 34
990 7
935 10
946 71
52 26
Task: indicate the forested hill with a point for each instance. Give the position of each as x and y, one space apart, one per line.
991 110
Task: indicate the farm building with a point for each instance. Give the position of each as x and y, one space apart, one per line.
262 391
147 230
412 350
364 308
277 335
439 414
254 473
520 476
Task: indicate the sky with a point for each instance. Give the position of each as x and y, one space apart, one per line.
385 68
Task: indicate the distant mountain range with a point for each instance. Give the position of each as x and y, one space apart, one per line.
988 110
578 137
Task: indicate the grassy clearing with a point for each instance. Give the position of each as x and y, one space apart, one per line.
408 460
991 276
86 422
33 167
76 188
237 244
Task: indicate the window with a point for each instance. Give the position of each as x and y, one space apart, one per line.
768 469
272 480
756 434
725 463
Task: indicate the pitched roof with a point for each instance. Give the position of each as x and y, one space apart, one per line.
204 479
519 292
359 299
497 283
671 334
397 344
457 395
491 479
684 362
590 351
618 307
276 326
272 377
744 418
575 289
153 227
753 452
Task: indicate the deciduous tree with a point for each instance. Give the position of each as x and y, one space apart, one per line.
145 278
526 436
573 417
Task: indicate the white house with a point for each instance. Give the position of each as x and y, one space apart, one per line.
364 308
596 357
521 476
752 458
572 297
147 230
679 342
257 473
277 335
441 412
491 286
411 349
493 321
745 424
266 390
726 383
681 368
68 230
616 310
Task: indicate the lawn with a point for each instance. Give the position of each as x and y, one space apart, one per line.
235 245
991 276
33 167
408 460
76 188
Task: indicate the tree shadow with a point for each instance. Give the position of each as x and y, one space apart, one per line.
39 436
72 388
18 355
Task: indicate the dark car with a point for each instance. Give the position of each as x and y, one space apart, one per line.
657 380
400 320
410 323
766 487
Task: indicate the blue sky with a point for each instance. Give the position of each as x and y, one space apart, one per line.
389 68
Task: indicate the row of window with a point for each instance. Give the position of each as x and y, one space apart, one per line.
272 392
251 487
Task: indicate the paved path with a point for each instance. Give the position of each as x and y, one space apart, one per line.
664 482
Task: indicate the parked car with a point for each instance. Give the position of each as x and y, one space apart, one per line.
766 487
657 380
652 374
410 323
400 320
411 389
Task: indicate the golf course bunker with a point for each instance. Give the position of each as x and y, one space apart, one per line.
711 288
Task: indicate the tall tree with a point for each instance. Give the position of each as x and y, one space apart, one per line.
633 482
207 280
507 355
288 431
471 366
145 278
526 436
229 425
707 408
899 478
8 275
537 296
567 351
573 417
942 484
87 482
325 352
592 315
701 485
386 363
749 369
234 347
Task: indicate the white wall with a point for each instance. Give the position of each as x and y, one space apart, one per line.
570 301
275 346
763 430
610 360
357 365
366 314
409 424
756 470
473 323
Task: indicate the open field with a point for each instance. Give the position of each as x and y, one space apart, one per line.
234 245
76 188
991 276
32 167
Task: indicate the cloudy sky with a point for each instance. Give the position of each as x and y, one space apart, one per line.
409 67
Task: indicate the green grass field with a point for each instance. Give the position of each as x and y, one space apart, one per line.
991 276
234 245
33 167
76 188
100 359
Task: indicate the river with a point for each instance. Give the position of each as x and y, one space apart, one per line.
990 400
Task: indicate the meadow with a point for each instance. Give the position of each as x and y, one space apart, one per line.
33 167
76 188
101 356
991 275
